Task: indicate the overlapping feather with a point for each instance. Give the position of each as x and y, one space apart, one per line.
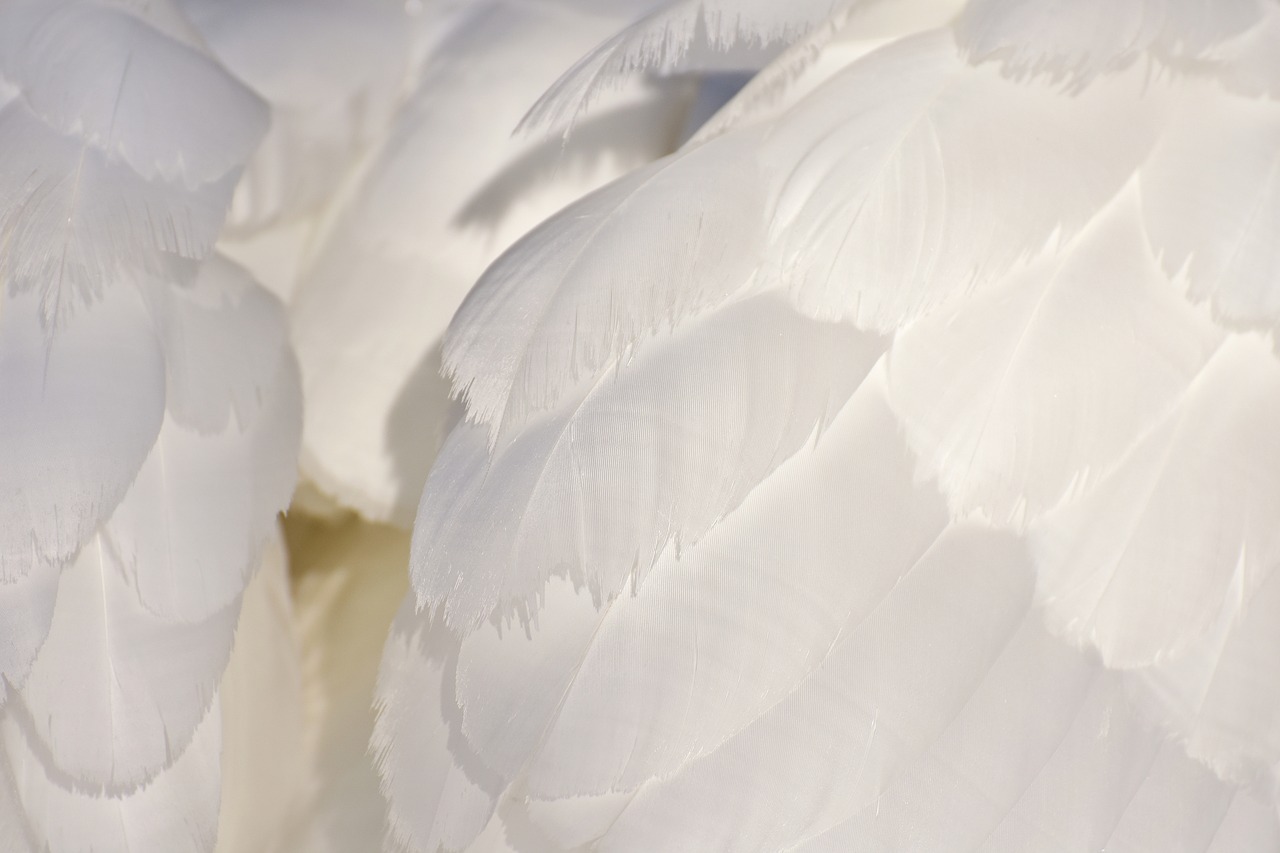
846 654
151 422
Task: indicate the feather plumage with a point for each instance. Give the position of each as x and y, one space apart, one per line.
445 190
847 654
150 420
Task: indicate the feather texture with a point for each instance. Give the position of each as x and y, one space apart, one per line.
80 416
1214 230
1027 393
583 258
1011 589
675 409
1079 40
890 207
677 35
447 189
1099 558
177 810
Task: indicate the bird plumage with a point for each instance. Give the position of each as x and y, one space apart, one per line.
982 575
859 434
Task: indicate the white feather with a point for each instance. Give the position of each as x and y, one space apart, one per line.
891 206
558 499
732 640
1221 698
578 291
27 605
176 812
677 35
223 338
78 223
598 702
81 413
113 82
416 738
116 693
446 191
1214 225
189 533
1140 566
1026 394
1078 39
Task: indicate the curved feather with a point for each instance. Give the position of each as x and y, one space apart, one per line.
81 413
27 607
78 223
1024 395
575 293
883 743
596 702
1215 229
817 653
176 811
1187 512
1077 41
663 40
445 192
435 801
557 500
223 337
190 532
116 693
1220 698
110 80
890 207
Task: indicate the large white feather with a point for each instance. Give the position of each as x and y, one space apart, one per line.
439 796
559 498
27 605
177 811
711 638
81 412
1141 566
448 189
116 693
1078 39
678 35
223 337
1221 698
717 653
891 206
1028 393
189 533
1215 225
578 291
109 80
